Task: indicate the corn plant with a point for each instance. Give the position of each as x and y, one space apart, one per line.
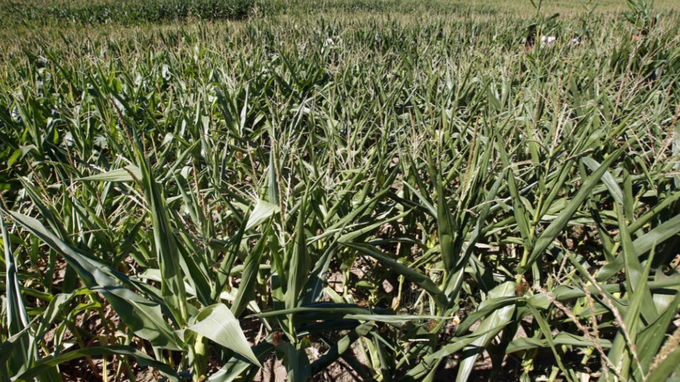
403 190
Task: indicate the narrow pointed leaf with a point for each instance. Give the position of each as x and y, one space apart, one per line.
554 229
129 173
296 361
494 323
415 276
119 350
17 318
141 315
172 276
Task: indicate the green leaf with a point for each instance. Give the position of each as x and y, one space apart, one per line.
217 323
636 280
237 366
172 276
324 308
246 290
457 344
607 179
129 173
622 359
563 338
392 319
547 333
263 210
554 229
455 280
273 187
7 346
642 245
520 213
296 361
666 367
649 340
656 236
445 223
416 277
430 208
493 324
51 361
17 318
566 338
141 315
565 293
312 291
338 348
487 307
524 343
299 263
228 261
350 236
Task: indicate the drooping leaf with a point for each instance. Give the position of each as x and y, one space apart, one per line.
120 350
141 315
218 323
418 278
129 173
262 211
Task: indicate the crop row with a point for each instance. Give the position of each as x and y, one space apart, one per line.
403 196
125 12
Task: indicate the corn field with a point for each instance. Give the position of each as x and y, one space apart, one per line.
228 190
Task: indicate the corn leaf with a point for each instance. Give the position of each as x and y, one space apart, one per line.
217 323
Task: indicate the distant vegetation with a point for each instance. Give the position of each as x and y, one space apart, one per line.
129 12
409 191
125 12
